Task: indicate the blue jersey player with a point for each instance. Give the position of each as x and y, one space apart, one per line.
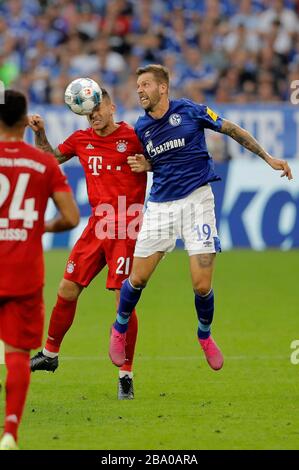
181 202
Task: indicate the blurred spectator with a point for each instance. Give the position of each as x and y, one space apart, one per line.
211 56
81 62
242 38
7 41
174 36
278 39
266 93
277 11
245 16
248 92
195 71
89 26
223 94
110 63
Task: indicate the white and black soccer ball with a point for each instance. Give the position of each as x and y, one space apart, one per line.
82 96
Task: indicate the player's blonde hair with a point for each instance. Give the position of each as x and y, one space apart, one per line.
160 72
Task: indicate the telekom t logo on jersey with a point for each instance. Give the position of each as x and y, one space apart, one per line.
95 164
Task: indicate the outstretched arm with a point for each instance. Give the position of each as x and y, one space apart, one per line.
245 139
38 126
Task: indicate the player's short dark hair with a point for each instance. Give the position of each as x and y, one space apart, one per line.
14 107
105 94
160 72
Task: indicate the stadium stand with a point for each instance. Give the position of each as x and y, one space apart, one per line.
227 51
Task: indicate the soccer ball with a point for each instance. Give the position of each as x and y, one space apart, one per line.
82 95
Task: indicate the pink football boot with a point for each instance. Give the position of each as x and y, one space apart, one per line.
212 353
117 347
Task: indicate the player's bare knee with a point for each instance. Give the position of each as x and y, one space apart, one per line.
138 281
69 290
11 349
202 288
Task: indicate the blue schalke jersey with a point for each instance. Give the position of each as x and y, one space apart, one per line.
176 147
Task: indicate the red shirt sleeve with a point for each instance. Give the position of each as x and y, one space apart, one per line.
68 147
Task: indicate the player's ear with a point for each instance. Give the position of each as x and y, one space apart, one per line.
163 88
113 107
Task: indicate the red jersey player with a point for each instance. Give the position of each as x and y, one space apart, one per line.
28 177
102 150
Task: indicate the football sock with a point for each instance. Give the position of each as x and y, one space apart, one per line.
17 383
123 373
205 311
61 320
129 297
49 353
130 343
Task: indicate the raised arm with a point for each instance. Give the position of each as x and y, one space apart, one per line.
245 139
37 124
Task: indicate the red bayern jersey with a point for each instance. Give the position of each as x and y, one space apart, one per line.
104 160
28 177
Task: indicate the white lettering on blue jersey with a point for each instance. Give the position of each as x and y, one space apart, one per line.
171 144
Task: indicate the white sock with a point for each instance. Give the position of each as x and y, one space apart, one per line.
123 373
49 353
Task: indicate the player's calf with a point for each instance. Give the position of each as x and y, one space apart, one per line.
204 305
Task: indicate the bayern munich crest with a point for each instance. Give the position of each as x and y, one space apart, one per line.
175 119
70 267
121 146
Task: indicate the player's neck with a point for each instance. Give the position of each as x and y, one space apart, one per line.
7 136
12 134
111 127
161 109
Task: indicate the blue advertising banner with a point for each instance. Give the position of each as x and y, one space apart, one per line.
255 208
276 127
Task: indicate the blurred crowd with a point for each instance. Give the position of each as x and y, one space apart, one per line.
227 51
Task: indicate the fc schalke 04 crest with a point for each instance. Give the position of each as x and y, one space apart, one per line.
175 119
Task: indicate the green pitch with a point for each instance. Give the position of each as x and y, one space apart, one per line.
180 403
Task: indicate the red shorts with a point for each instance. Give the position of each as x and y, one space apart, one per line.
90 255
22 320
